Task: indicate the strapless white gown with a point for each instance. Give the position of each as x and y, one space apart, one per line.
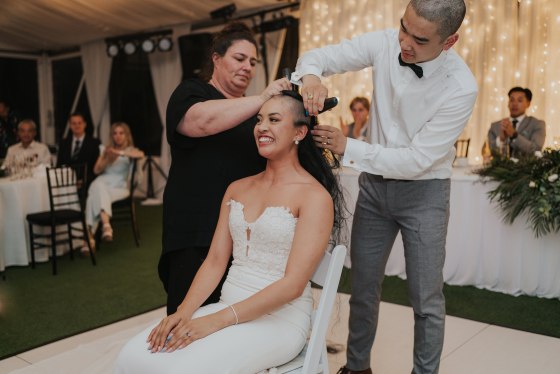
260 252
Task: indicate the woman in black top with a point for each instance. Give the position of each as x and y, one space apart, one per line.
209 130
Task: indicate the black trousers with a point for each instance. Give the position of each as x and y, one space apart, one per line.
177 270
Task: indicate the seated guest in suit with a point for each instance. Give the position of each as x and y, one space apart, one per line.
79 148
112 170
35 152
519 134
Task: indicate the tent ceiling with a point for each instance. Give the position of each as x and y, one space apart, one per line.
60 24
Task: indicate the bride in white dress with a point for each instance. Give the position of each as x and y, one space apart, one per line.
277 224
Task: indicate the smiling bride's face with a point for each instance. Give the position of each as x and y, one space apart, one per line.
275 131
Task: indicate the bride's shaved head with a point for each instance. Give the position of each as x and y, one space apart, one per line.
294 104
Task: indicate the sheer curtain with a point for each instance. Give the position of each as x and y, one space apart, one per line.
274 44
97 71
506 43
165 68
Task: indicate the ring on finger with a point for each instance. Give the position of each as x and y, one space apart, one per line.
188 334
309 96
329 141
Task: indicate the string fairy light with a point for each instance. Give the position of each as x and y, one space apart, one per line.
504 42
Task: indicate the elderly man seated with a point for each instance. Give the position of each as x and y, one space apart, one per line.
27 148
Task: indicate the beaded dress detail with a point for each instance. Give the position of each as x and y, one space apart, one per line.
263 245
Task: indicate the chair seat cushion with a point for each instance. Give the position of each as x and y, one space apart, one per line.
61 217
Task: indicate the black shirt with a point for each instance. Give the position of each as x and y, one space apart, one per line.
201 170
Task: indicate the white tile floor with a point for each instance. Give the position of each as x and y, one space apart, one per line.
470 347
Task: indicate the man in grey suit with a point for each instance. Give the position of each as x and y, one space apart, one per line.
519 134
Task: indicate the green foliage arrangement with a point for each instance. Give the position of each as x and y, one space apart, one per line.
530 184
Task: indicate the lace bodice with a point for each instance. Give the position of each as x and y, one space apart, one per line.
263 245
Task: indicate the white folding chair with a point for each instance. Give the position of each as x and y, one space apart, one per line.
313 358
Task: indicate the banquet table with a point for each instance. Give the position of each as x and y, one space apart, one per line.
481 249
17 199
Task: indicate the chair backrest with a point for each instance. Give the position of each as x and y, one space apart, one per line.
132 182
327 275
63 188
462 147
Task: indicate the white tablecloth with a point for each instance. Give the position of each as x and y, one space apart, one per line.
482 250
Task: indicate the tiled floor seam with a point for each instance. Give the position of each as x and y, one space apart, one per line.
443 357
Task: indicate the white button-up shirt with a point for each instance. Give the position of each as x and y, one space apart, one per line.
414 121
34 149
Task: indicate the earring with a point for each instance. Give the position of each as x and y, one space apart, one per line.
296 141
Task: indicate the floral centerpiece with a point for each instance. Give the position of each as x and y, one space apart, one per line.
531 185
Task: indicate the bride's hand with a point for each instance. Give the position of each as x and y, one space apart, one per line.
157 338
187 332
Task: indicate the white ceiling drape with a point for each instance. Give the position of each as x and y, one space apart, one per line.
506 43
97 72
166 71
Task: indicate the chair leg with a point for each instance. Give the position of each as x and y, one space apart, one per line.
134 224
97 237
86 237
53 247
32 244
70 241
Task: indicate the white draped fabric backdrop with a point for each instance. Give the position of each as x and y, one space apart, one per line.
506 43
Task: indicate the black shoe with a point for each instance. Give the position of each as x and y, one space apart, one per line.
345 370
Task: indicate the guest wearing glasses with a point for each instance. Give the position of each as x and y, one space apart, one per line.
518 134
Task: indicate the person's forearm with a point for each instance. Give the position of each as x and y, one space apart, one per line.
205 282
100 165
215 116
265 301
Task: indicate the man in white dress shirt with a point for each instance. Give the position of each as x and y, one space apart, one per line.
520 133
28 148
424 95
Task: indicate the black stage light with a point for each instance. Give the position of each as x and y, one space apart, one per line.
165 44
224 12
112 49
275 24
129 47
148 46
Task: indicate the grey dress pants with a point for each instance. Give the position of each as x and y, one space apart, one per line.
420 210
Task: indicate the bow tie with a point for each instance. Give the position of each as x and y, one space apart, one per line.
415 68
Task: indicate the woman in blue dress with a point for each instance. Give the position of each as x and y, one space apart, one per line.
111 184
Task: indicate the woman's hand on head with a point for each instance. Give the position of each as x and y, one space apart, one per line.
276 88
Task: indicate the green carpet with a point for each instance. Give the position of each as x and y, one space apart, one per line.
37 308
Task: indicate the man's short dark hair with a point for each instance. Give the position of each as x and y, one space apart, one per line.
448 15
78 114
526 91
